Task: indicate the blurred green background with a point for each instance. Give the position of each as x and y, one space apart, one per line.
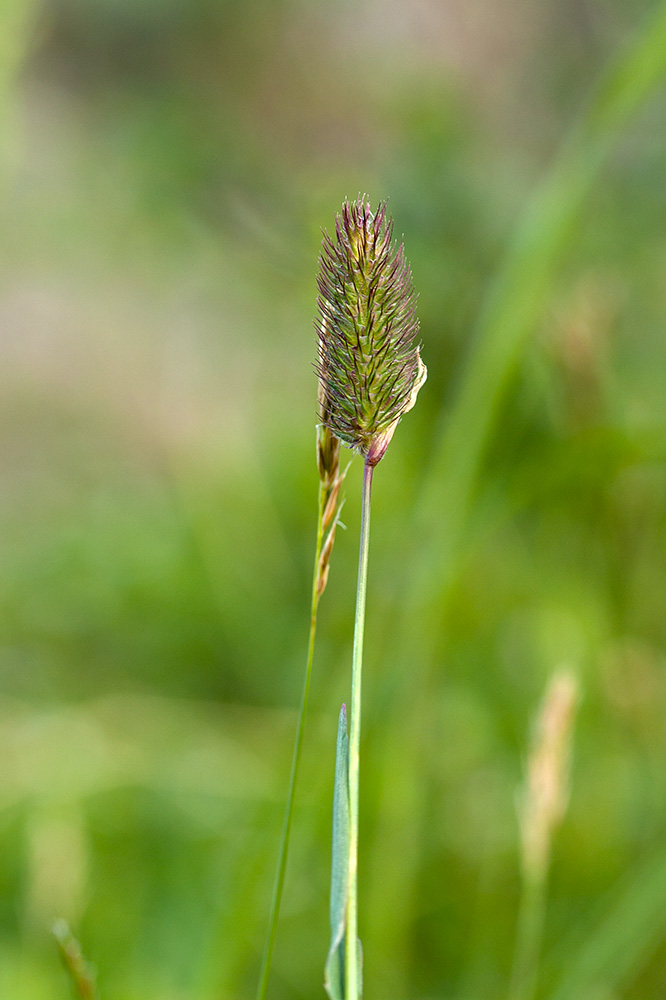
166 167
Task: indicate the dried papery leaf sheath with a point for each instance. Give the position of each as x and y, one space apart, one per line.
328 445
328 461
368 360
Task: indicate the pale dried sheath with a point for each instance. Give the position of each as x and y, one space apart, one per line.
546 793
542 806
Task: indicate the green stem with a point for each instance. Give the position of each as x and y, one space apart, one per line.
352 980
528 937
264 976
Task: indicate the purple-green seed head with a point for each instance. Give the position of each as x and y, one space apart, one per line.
368 363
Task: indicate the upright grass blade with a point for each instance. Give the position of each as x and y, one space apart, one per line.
515 304
79 971
512 311
328 517
628 933
334 972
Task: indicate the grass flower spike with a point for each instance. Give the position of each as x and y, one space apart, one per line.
542 806
545 797
369 366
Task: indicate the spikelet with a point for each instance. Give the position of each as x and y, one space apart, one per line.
545 797
368 363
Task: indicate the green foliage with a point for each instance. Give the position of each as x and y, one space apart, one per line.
167 170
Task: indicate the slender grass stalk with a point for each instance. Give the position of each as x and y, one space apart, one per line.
295 764
352 968
531 914
80 973
328 516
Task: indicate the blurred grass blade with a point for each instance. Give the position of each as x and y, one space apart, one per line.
516 302
334 973
80 972
633 926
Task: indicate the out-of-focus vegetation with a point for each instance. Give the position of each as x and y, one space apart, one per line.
165 171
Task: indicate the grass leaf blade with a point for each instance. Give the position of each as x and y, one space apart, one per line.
334 973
